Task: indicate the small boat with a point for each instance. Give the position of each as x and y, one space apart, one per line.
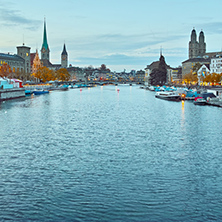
28 92
171 96
40 92
200 101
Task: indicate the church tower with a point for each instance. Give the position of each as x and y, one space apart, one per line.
202 44
193 45
45 48
24 52
64 57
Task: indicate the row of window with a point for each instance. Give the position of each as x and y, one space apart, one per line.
11 63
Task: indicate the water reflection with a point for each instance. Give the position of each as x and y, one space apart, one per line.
101 155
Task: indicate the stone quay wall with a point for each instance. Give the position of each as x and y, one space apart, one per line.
6 94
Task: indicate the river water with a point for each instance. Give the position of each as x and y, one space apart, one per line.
103 155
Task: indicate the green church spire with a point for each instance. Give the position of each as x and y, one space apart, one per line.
45 43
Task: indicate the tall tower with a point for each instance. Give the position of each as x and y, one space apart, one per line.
24 52
202 44
45 48
193 45
64 57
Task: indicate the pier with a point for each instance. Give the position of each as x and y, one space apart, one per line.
6 94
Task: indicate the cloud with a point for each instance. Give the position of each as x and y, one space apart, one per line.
212 27
11 18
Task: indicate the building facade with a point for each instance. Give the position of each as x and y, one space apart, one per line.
16 62
64 57
24 52
187 66
216 64
197 49
45 54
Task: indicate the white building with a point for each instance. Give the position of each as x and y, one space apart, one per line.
202 72
216 64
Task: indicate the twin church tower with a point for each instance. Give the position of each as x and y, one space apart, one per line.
45 54
197 49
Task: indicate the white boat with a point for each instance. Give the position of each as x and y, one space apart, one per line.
171 96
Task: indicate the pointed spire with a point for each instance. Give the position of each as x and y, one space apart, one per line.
161 51
64 52
45 43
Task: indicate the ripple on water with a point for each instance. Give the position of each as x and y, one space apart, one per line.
102 155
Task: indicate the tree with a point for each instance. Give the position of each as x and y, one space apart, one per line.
190 77
158 75
62 74
162 70
213 78
44 74
196 67
5 70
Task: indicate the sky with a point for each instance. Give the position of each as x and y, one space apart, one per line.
122 34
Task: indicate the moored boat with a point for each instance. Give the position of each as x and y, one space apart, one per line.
171 96
200 101
40 92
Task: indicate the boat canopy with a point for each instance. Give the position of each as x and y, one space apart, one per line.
206 95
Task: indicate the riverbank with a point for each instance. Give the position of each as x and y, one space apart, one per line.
14 93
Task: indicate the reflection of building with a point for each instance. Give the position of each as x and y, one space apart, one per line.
45 54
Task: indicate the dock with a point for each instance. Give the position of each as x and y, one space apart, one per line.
14 93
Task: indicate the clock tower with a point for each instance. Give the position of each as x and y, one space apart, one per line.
64 57
45 48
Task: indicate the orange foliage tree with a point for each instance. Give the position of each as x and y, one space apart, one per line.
5 70
44 74
190 77
213 78
62 74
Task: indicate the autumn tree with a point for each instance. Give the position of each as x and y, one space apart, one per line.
5 70
213 78
62 74
190 77
44 74
196 67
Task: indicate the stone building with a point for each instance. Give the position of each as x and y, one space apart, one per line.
64 57
45 54
155 65
16 62
24 52
188 65
196 48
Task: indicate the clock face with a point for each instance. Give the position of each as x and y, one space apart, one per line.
63 58
43 50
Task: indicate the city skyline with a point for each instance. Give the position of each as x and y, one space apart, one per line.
121 34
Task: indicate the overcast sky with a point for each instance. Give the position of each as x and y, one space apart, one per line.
123 34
